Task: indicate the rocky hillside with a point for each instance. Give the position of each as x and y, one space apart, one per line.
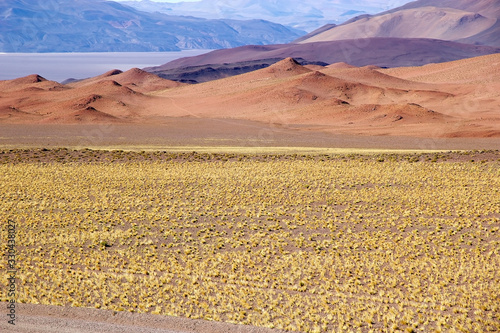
465 21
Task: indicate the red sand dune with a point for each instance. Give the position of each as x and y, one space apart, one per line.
451 99
286 68
134 78
85 115
485 69
29 83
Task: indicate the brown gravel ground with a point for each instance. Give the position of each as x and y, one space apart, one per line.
64 155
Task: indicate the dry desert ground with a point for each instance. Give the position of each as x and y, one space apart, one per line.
297 198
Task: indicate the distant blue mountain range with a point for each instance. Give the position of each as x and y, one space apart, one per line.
106 26
304 15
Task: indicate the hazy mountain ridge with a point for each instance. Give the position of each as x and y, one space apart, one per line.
102 26
298 14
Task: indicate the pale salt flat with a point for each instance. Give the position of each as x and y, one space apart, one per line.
62 66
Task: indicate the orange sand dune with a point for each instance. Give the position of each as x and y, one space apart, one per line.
86 115
485 69
371 76
258 97
36 99
456 99
340 65
134 78
29 83
285 68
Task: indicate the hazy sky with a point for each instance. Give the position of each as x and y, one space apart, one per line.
163 0
366 1
395 3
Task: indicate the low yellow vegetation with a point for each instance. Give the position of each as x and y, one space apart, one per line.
300 243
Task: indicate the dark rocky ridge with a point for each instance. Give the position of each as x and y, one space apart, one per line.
210 72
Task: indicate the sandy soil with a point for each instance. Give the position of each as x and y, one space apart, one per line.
201 134
55 319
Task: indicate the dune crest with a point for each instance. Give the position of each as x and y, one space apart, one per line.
285 68
340 65
111 73
34 78
135 79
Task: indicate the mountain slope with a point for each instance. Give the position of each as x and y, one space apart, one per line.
102 26
470 21
383 52
489 8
